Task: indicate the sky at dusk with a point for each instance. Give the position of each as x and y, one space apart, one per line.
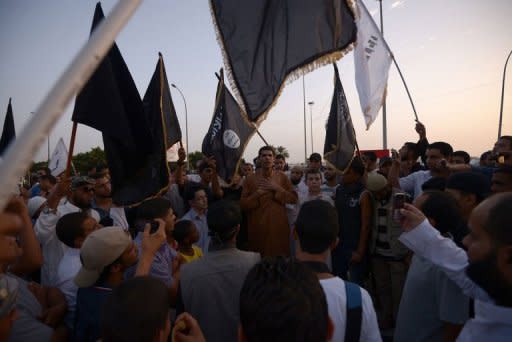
451 52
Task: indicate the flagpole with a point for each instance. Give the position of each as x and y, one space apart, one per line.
503 95
405 85
20 152
384 119
311 103
186 122
71 148
304 103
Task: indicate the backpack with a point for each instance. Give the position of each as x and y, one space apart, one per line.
354 312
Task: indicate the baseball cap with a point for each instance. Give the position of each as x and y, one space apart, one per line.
315 157
376 182
81 180
100 249
469 182
9 288
34 204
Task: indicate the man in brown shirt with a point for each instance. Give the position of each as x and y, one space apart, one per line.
264 197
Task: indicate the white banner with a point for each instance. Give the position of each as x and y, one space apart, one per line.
372 59
58 158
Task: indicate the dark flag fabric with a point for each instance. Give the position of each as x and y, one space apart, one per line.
266 43
8 132
134 144
340 137
159 107
228 134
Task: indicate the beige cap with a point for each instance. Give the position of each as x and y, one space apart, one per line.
101 248
376 182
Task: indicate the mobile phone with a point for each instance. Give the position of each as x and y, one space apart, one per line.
141 225
399 200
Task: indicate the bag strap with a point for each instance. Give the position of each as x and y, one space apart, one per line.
354 312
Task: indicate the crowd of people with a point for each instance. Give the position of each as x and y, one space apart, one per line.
412 247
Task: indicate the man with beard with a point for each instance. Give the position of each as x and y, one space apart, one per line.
110 215
433 307
63 200
264 197
330 181
484 272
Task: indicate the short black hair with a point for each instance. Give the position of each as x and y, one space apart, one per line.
181 230
135 311
370 155
203 165
508 138
282 300
413 148
357 166
97 175
311 171
463 154
499 220
442 207
153 208
267 148
280 156
485 155
70 226
434 183
444 148
223 216
48 177
190 190
317 226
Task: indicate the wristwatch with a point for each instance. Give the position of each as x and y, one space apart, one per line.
48 210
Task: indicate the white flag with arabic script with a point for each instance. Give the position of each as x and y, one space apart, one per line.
372 60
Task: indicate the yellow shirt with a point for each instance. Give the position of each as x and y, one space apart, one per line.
197 254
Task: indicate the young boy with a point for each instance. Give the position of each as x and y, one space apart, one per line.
186 234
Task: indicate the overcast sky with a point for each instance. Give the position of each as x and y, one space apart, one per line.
452 54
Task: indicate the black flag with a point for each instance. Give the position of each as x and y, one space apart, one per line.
159 107
266 42
8 133
134 144
340 137
228 134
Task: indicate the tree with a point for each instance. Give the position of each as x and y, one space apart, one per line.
85 160
194 157
282 150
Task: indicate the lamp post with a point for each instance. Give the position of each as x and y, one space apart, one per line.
384 119
503 94
186 122
311 103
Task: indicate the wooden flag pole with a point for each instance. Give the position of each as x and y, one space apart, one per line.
71 148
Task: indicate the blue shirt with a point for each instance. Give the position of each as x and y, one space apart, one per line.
202 228
89 304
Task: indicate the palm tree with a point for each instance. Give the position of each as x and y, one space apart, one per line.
282 150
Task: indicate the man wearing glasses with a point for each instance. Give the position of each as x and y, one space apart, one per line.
68 196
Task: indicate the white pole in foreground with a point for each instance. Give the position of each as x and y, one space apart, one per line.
20 153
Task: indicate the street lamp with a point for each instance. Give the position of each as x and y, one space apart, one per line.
311 103
503 94
186 122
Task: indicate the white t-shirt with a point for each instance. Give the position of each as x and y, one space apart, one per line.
334 289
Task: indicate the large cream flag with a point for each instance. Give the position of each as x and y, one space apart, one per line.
372 59
58 159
